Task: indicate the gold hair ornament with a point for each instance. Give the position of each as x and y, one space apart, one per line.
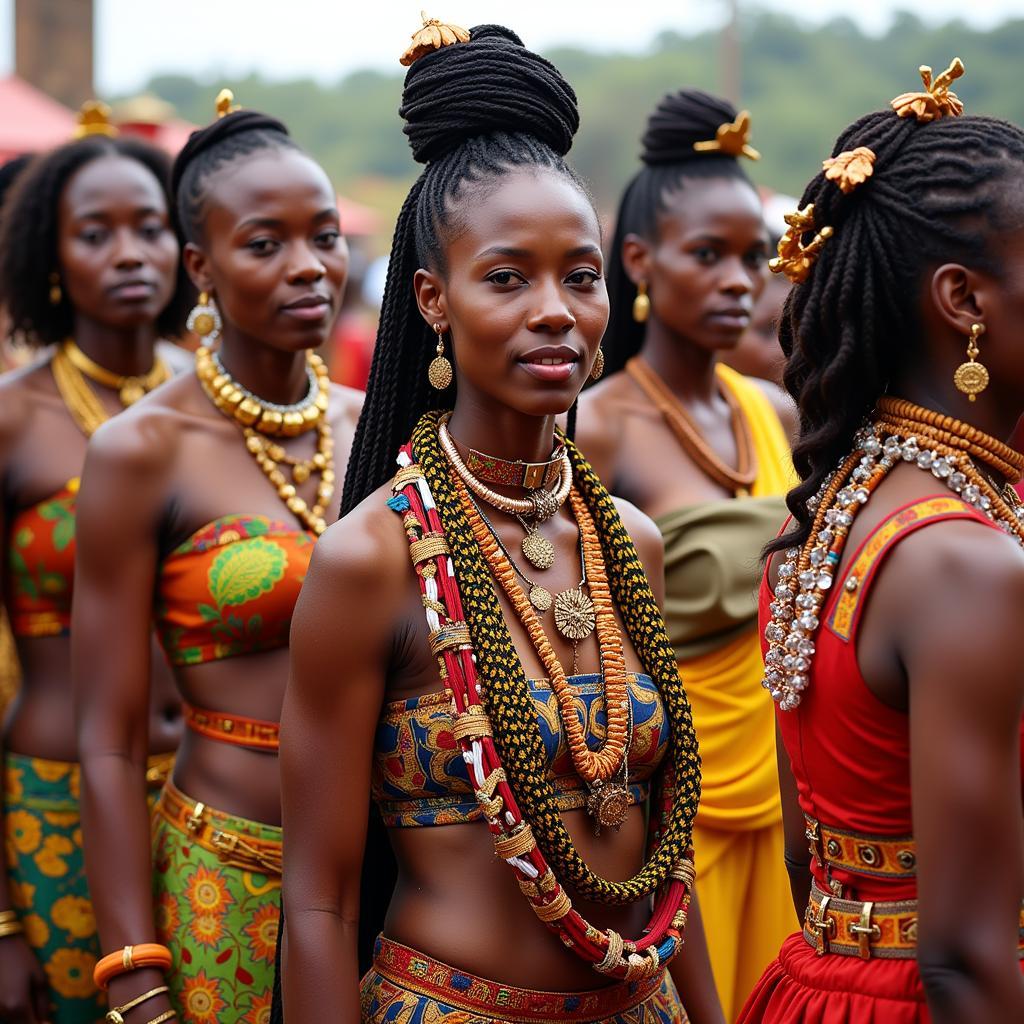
937 100
94 119
225 103
850 168
796 259
432 36
731 138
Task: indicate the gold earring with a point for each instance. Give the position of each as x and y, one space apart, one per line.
439 373
205 320
972 377
598 368
641 304
55 293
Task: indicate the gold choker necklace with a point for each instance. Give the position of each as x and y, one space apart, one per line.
129 388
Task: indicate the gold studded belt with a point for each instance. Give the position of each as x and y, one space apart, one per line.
877 856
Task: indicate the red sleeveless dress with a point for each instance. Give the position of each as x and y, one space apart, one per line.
850 756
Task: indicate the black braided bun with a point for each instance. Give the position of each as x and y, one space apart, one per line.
680 120
491 84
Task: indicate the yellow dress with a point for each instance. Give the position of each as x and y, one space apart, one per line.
712 573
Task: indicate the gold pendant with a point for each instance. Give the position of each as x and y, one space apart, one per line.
540 598
300 472
608 804
538 550
131 392
574 614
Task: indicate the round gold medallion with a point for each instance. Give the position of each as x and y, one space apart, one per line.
439 373
540 598
608 805
971 378
538 550
131 391
574 614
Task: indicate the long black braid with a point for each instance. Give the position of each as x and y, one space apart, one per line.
680 120
473 111
936 193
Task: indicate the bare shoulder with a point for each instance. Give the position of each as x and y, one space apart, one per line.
20 391
783 405
349 403
177 358
599 424
645 535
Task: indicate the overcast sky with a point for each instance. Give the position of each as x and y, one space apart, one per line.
328 38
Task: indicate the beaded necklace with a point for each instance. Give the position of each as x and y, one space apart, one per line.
900 432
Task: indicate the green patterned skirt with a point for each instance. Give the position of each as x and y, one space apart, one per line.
216 885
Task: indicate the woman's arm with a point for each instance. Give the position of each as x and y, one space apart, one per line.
796 851
340 650
962 655
119 508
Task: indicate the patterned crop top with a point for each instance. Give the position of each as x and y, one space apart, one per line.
41 565
420 778
230 589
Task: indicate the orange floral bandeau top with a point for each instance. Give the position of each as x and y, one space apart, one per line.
230 589
41 565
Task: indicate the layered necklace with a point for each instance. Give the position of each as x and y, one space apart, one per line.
951 451
72 370
689 435
262 421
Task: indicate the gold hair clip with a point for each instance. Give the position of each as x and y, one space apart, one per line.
731 138
937 100
796 259
94 119
225 103
432 36
850 168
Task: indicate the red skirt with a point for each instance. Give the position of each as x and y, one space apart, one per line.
801 987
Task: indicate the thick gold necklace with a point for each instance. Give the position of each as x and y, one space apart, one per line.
221 388
129 389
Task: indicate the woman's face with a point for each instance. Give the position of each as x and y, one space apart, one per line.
707 265
116 253
272 252
524 296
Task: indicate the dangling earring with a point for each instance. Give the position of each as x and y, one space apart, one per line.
439 373
598 368
641 304
205 320
972 377
55 293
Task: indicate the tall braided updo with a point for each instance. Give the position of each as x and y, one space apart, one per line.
937 193
474 111
680 120
231 137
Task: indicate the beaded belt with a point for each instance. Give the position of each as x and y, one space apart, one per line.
869 929
234 729
877 856
249 853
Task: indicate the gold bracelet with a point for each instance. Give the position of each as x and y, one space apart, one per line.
116 1015
11 928
166 1015
6 916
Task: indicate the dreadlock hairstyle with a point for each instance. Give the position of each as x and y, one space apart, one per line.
937 192
229 138
28 237
680 120
474 111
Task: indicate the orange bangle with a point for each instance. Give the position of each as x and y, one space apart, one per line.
130 958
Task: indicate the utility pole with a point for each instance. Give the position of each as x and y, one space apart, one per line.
730 71
53 47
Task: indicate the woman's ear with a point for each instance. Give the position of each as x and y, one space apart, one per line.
959 297
430 297
197 266
636 258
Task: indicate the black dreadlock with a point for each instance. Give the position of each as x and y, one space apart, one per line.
208 149
937 192
28 237
473 112
680 120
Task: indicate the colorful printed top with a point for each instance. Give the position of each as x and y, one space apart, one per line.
420 778
41 565
230 589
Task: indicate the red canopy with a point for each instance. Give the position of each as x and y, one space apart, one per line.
31 120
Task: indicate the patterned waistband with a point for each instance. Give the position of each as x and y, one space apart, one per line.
235 729
866 930
425 976
876 856
239 843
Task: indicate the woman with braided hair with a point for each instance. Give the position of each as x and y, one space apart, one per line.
510 700
891 606
704 452
200 513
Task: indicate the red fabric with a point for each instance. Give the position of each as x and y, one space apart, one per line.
850 755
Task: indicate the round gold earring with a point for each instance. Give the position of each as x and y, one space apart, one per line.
972 377
641 304
204 320
55 293
597 369
439 373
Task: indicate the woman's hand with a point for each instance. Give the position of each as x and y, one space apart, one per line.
24 992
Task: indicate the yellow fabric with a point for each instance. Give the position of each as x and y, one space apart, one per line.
741 878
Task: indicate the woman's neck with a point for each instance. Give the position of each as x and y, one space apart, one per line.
273 374
503 433
128 352
687 370
996 415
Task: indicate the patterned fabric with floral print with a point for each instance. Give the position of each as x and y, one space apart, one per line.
41 565
230 589
420 778
219 921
